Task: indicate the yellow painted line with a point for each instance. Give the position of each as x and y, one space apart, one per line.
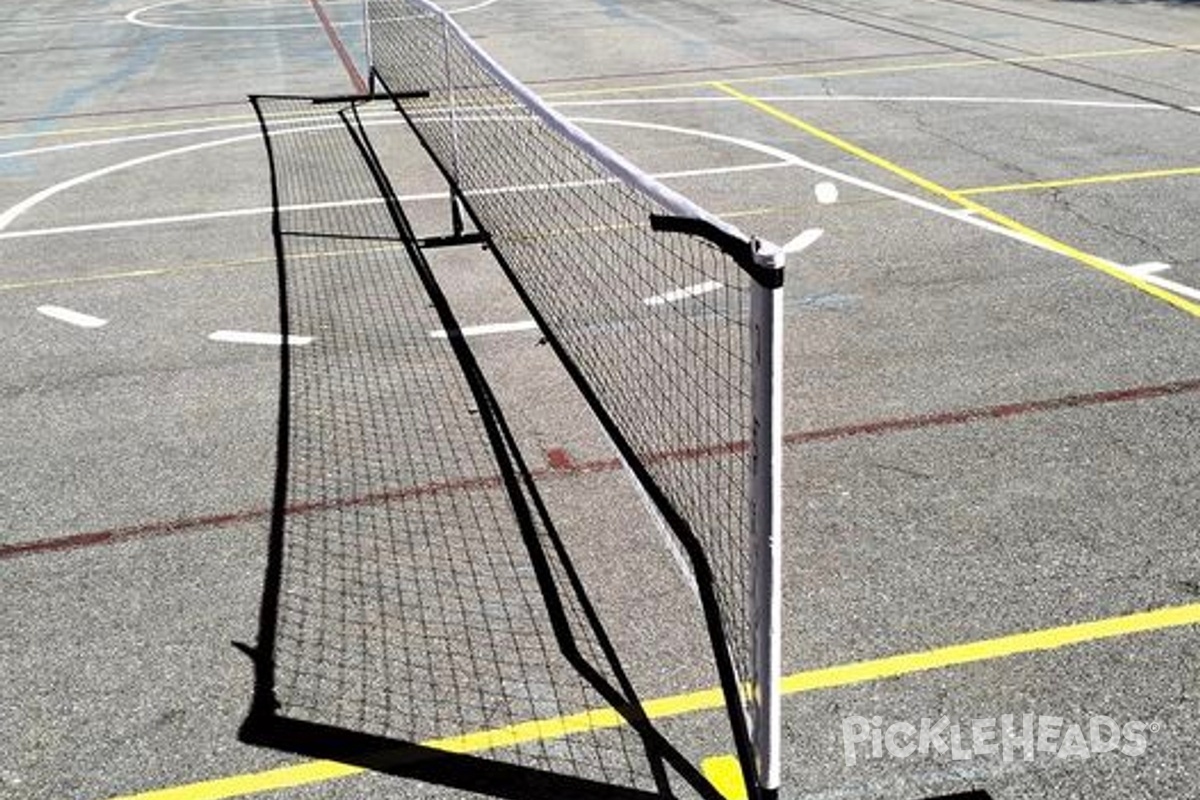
42 283
288 777
1115 177
1041 239
710 699
650 87
725 774
989 649
888 69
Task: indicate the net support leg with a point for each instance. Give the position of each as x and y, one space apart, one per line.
766 315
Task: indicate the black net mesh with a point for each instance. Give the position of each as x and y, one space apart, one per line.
418 595
656 324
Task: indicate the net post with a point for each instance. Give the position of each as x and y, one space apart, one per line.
453 101
367 50
766 320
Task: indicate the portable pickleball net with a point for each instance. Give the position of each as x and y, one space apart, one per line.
417 589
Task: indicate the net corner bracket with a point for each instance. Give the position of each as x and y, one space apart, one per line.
769 261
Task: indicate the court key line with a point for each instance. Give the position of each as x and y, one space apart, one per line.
838 676
961 200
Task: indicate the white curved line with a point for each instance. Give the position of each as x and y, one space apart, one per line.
134 18
16 211
384 117
476 7
9 216
137 137
795 160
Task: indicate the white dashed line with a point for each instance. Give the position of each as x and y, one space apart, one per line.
804 241
72 317
484 330
676 295
251 337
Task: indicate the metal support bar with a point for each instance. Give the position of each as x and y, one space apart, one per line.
459 239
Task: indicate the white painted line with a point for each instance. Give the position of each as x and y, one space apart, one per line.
1149 268
842 177
72 317
371 118
1149 273
804 241
135 18
11 215
20 208
783 159
204 215
251 337
675 295
485 330
476 7
826 192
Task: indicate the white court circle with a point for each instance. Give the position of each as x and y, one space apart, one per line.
10 216
134 17
782 156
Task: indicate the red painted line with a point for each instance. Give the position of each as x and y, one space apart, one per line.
356 78
559 459
154 529
562 465
147 530
1004 411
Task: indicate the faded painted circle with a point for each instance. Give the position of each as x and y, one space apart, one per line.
172 22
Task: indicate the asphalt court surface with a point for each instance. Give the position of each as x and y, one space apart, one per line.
991 367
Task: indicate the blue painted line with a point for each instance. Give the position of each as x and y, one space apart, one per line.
136 61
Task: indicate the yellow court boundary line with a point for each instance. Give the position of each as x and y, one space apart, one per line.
1062 183
649 87
318 771
959 199
850 72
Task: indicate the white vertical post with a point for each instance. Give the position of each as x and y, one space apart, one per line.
766 321
450 91
370 55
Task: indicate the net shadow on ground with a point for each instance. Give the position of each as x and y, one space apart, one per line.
420 614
